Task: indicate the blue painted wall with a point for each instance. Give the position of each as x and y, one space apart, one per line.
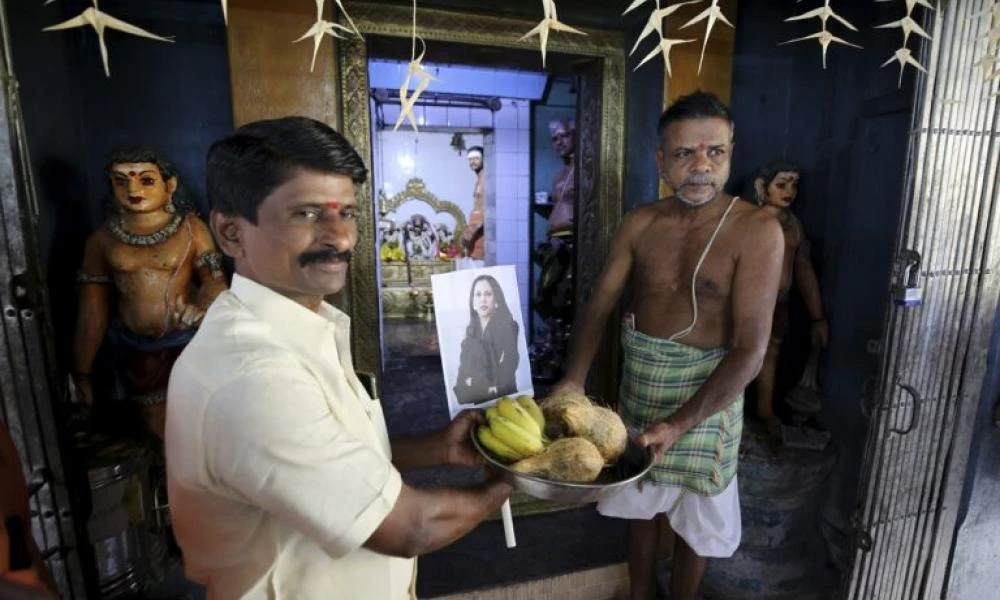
172 96
847 127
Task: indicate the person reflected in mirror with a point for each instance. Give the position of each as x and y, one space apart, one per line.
487 365
474 235
776 187
282 479
564 187
703 269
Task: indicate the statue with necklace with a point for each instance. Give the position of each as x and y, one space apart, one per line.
156 264
776 188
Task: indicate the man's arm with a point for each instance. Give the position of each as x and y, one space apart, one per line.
449 446
422 521
474 227
589 326
355 498
808 284
755 290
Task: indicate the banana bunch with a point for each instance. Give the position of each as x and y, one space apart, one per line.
515 430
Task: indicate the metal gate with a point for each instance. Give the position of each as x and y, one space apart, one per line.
26 406
945 288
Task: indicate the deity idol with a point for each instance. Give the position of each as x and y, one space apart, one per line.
148 275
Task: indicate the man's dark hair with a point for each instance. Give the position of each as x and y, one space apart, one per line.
244 168
768 172
141 155
699 105
478 149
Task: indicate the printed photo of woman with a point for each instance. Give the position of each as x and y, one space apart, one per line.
489 358
480 320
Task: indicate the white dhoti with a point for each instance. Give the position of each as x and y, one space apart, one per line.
710 525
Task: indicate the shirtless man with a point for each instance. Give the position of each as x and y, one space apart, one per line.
474 236
685 364
151 254
564 186
555 286
776 187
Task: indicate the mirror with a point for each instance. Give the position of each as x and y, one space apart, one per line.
504 178
550 187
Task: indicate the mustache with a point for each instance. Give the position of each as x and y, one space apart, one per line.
699 180
325 255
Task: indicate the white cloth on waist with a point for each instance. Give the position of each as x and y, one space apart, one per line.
711 525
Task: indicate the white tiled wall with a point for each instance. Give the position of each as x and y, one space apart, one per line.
403 154
513 164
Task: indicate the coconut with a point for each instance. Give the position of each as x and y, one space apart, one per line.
570 459
601 426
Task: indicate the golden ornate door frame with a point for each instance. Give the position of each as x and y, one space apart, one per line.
601 211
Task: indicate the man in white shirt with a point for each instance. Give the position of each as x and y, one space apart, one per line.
282 480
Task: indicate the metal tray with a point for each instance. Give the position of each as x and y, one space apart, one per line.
631 466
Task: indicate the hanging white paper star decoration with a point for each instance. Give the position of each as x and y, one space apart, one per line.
989 60
350 21
710 15
908 25
407 98
910 4
101 21
550 21
824 36
655 25
903 55
323 28
635 4
225 13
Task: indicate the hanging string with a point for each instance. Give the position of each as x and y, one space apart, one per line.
694 277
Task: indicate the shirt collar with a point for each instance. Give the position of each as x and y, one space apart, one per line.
298 325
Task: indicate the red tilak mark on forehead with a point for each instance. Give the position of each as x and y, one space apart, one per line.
333 205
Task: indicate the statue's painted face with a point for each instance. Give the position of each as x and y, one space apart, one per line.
694 158
140 187
563 141
783 189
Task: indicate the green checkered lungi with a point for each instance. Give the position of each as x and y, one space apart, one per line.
658 377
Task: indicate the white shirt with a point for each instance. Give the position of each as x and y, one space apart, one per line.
278 461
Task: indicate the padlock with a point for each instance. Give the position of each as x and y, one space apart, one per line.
906 290
908 297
